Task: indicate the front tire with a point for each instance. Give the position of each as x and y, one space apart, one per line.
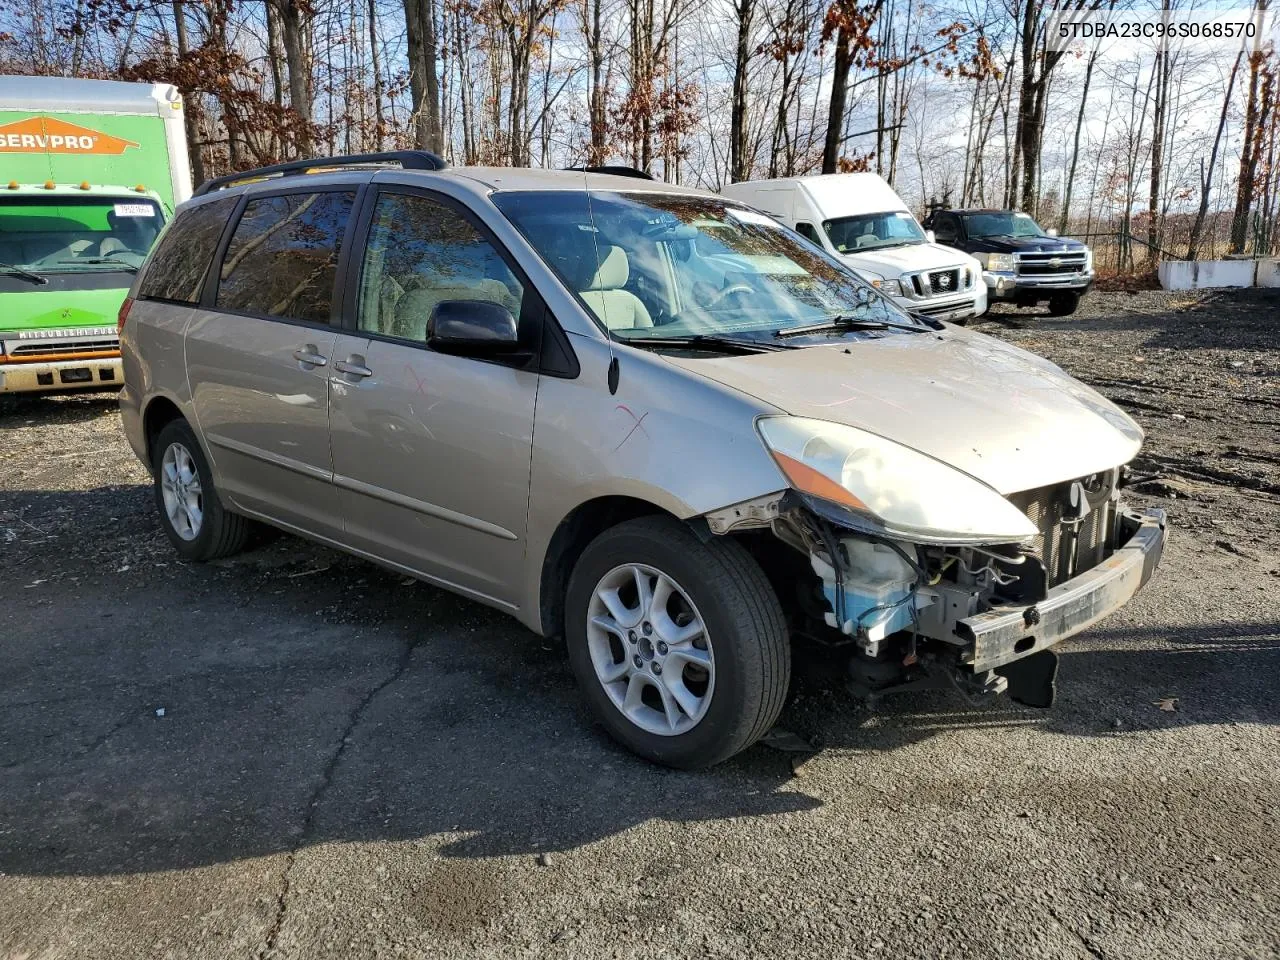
1063 304
679 646
193 517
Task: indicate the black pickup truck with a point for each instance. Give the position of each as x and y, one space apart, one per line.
1021 262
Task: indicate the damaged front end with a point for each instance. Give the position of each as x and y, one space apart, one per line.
983 617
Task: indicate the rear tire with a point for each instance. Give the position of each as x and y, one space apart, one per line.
193 517
704 703
1063 304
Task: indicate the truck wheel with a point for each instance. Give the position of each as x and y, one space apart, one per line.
679 646
1063 304
193 517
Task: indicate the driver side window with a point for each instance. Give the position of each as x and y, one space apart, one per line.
421 252
809 232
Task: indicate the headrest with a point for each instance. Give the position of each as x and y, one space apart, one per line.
612 272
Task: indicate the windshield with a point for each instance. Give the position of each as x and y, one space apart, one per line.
655 265
873 231
1001 225
61 234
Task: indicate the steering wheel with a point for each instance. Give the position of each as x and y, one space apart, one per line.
728 292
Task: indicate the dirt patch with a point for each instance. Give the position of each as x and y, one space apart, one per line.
1200 371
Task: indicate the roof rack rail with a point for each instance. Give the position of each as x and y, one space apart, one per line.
408 160
617 171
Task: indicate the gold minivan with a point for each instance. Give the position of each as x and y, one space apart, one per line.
643 417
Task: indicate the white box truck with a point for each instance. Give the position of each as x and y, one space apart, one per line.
859 217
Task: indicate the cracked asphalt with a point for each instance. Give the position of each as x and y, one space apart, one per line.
295 754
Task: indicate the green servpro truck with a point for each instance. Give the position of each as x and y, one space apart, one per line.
90 170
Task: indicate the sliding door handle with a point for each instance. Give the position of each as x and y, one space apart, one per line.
309 356
353 366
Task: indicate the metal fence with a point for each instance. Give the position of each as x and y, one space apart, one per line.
1118 251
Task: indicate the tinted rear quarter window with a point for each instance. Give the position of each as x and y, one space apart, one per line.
178 266
283 256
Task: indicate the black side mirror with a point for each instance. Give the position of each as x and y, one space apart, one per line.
472 326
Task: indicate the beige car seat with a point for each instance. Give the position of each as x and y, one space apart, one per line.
604 293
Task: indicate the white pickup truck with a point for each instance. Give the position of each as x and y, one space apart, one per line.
859 217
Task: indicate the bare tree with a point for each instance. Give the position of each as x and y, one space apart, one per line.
295 19
1257 107
424 80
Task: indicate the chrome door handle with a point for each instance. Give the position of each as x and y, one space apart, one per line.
309 356
353 367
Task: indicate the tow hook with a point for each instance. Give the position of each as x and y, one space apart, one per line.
983 684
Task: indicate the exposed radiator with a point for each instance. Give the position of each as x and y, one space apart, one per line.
1068 547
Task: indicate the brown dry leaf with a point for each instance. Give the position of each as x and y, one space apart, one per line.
1167 704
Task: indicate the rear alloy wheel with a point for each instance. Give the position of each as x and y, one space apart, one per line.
180 492
679 646
193 517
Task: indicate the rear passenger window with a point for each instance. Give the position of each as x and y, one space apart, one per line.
283 257
420 253
178 266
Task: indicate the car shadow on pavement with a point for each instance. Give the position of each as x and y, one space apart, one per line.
157 715
1110 682
161 715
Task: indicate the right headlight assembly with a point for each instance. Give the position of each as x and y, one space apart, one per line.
887 489
998 262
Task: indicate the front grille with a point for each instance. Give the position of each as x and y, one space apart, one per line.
1066 546
1048 264
46 347
938 283
943 282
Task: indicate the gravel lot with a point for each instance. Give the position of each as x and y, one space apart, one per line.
296 754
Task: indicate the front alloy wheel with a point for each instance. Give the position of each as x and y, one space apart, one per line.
650 649
678 642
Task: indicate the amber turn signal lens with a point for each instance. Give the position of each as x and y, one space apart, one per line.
804 477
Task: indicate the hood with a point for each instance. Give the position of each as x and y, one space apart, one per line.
1009 418
892 262
1025 245
59 305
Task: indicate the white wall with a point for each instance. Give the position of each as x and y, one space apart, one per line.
1198 274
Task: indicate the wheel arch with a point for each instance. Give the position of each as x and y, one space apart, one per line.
159 412
579 527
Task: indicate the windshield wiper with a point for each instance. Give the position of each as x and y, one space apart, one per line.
17 271
844 322
706 340
124 263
